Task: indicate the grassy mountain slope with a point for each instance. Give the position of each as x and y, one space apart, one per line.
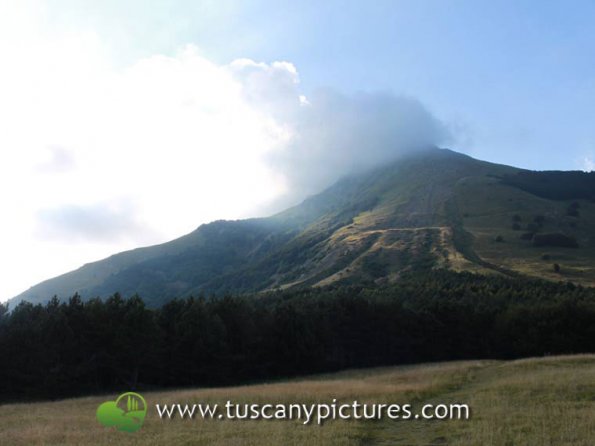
433 209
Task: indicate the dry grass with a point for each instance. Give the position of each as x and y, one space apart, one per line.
548 401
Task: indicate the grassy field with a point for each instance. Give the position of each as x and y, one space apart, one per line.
541 401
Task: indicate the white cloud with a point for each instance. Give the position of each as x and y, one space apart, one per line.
57 160
108 222
336 134
330 134
95 159
588 164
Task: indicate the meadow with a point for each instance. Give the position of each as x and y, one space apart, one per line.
537 401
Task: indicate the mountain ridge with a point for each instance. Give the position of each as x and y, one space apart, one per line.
431 209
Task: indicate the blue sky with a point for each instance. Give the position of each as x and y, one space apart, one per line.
166 115
515 79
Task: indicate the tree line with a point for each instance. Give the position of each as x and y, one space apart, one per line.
79 347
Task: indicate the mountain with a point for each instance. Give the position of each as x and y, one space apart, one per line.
433 209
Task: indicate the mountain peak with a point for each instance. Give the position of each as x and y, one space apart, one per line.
430 209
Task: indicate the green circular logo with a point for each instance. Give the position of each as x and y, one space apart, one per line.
127 413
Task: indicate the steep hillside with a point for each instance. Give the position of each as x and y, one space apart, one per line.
433 209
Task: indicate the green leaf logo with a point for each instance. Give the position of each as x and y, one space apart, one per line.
126 414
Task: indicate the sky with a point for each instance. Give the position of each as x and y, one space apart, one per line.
125 124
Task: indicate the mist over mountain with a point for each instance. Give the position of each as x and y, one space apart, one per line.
429 209
328 134
337 135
